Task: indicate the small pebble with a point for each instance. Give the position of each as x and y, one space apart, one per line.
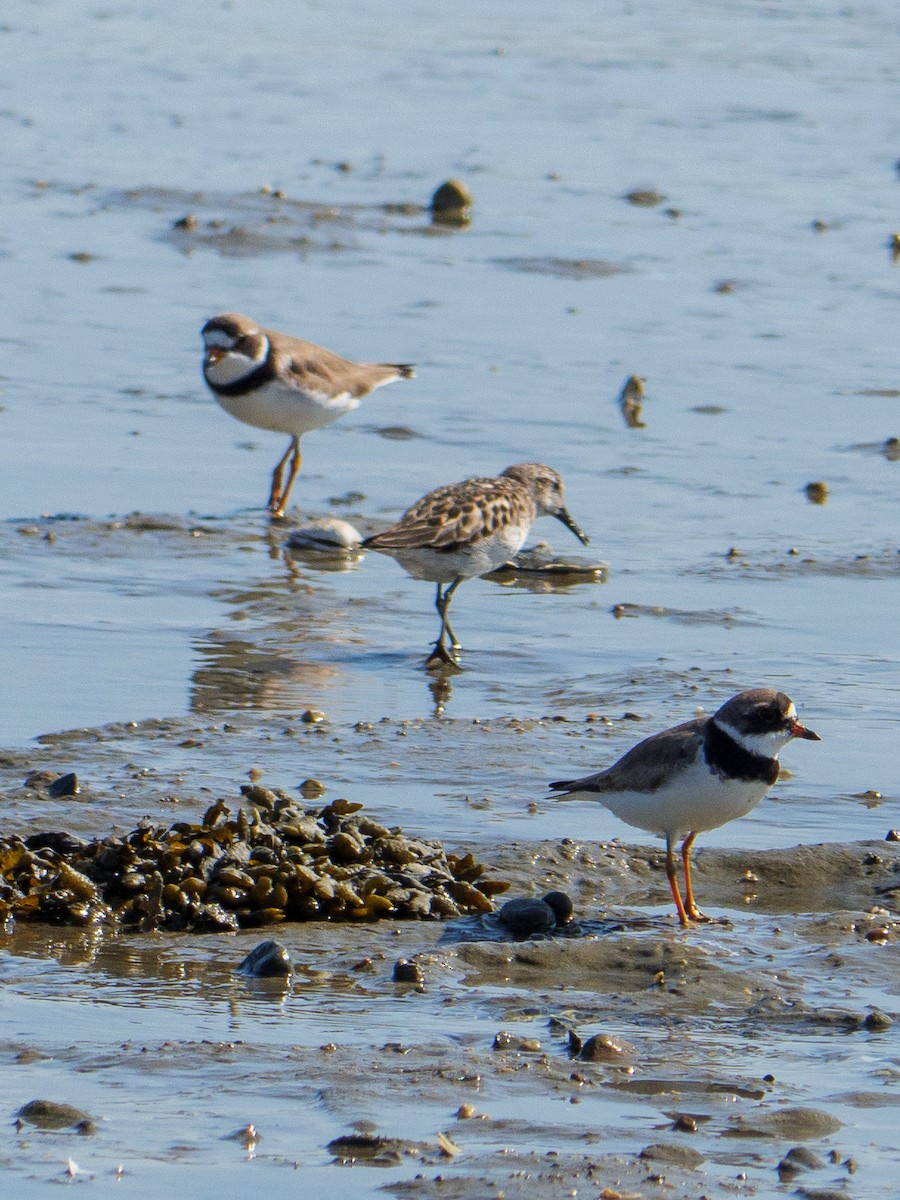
451 203
603 1048
644 197
64 785
817 492
267 960
523 917
407 970
877 1021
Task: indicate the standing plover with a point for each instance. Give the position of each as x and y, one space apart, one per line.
697 776
282 383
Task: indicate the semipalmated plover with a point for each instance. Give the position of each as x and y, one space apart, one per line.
697 776
470 528
282 383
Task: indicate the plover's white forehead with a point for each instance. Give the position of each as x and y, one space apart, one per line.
791 712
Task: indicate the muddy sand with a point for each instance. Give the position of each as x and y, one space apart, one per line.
621 1057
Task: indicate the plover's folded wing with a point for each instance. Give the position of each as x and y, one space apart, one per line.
646 766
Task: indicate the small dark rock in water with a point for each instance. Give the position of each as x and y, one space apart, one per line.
451 203
795 1123
817 492
527 916
47 1114
892 835
644 197
603 1048
64 785
266 961
397 433
877 1021
891 449
676 1155
369 1148
800 1158
685 1124
631 400
407 971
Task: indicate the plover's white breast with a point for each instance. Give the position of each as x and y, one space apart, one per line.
285 409
691 801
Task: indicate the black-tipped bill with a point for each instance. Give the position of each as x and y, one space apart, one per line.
795 729
567 520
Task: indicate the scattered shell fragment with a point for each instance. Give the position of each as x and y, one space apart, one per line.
541 559
325 534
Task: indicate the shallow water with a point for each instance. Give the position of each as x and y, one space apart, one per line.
768 347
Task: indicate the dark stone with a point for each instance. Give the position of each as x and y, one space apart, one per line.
266 961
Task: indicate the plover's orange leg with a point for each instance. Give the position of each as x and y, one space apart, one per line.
692 910
277 476
296 460
673 879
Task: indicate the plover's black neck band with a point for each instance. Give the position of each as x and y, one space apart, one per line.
731 760
262 375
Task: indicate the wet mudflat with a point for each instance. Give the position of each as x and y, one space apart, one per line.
731 247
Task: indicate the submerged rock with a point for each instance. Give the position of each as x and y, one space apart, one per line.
48 1114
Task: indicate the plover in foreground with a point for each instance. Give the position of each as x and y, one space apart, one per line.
697 776
282 383
470 528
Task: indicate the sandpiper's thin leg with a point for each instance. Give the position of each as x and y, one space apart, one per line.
440 654
277 476
673 880
296 461
692 910
447 595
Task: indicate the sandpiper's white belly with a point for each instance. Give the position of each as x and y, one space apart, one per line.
285 409
694 800
475 558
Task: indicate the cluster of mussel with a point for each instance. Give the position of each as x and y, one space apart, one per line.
272 861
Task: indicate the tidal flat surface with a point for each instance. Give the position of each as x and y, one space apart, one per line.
159 641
